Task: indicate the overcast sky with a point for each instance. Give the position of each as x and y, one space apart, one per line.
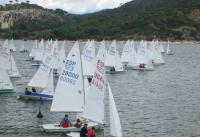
76 6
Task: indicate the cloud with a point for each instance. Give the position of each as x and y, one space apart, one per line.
77 6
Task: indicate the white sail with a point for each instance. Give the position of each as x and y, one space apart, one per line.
22 48
158 56
5 44
40 51
118 66
34 49
141 54
88 58
54 53
12 70
69 94
169 51
112 57
4 58
125 53
161 47
7 62
41 77
49 89
61 58
94 105
5 82
132 55
115 125
12 45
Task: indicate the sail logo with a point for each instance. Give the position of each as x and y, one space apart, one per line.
4 52
100 66
68 75
69 65
88 56
98 81
112 51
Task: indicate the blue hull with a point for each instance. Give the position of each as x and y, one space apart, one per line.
34 96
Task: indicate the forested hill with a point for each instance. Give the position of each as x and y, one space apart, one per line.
138 19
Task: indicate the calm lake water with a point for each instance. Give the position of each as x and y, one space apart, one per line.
160 103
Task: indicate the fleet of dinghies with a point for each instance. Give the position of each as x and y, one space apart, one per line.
81 87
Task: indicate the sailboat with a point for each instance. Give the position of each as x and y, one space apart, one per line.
94 106
161 47
10 45
39 55
143 61
5 83
42 79
113 62
12 69
8 62
169 51
129 55
22 48
34 50
70 91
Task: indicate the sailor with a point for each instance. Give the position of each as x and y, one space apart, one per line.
65 123
84 131
27 92
91 132
33 90
112 69
78 123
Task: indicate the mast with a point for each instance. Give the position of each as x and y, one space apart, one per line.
82 75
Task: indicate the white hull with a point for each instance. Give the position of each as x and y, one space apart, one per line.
73 134
113 72
55 128
170 53
14 76
143 69
32 97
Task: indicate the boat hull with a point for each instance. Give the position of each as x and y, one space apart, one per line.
142 69
55 128
73 134
14 76
35 96
36 65
2 91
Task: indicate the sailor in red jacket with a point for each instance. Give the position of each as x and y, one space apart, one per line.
91 132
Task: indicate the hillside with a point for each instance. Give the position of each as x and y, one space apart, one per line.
28 21
138 19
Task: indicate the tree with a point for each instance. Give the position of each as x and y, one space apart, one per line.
27 1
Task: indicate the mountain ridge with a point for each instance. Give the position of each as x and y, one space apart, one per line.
137 19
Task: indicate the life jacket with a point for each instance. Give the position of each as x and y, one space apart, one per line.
65 124
78 124
91 133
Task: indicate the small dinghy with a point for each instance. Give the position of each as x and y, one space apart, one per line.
113 62
56 128
43 78
128 57
169 51
143 62
5 83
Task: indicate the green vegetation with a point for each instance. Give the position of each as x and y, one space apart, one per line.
138 19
